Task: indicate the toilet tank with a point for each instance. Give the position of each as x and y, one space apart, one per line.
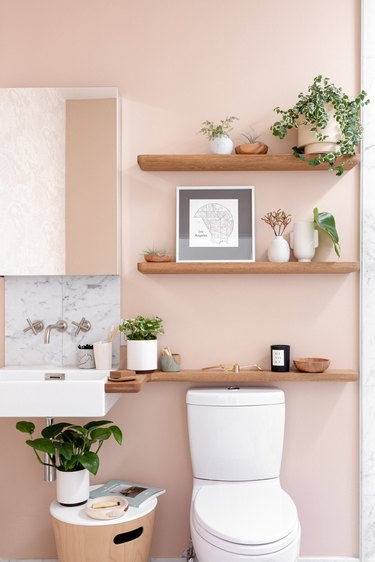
236 434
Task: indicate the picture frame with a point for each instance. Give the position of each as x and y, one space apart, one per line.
215 224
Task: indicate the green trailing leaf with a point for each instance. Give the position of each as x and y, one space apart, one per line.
90 461
26 427
327 223
42 445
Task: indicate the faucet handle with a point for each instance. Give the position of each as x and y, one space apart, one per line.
83 325
36 326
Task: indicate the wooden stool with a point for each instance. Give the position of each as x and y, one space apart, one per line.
80 538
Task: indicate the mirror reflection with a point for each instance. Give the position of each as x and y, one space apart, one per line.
59 181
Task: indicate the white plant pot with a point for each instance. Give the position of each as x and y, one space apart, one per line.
278 250
72 488
221 145
142 355
307 138
303 240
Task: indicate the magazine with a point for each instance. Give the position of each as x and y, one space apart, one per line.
136 494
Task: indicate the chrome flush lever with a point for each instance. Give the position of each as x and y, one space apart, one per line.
36 326
83 325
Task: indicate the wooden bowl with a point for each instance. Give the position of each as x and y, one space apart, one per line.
111 512
311 364
253 148
157 257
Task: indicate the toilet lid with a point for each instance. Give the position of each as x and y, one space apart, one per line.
250 513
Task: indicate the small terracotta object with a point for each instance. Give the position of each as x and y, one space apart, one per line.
253 148
157 257
311 364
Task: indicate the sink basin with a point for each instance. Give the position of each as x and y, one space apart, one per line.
56 392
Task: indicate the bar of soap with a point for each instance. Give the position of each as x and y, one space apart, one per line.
104 504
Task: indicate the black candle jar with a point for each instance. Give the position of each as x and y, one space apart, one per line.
280 358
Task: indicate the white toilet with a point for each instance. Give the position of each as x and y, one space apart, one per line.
239 511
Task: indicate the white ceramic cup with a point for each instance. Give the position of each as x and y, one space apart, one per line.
103 354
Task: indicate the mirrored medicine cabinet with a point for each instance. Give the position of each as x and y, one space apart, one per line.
59 181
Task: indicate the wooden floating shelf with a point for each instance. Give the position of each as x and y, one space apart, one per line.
175 268
213 376
233 163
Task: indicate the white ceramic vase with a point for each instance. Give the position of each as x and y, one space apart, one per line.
142 355
278 250
303 240
307 138
72 488
221 145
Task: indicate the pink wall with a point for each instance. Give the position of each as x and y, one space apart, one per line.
176 64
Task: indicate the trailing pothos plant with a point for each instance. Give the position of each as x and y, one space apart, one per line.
326 221
311 109
68 446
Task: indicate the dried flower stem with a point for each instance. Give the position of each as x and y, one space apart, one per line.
278 221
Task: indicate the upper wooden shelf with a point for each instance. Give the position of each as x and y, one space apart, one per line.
232 163
248 267
135 383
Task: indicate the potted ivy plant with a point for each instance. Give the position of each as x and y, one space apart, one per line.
328 123
68 448
141 333
217 134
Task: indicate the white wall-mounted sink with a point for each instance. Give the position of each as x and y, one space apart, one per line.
38 392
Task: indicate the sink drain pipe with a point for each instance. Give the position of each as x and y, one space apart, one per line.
49 471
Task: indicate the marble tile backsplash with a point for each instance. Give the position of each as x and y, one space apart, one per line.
52 298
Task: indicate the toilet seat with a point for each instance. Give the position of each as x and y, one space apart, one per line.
250 518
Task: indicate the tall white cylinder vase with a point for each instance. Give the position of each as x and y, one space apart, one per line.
72 488
303 240
278 250
142 355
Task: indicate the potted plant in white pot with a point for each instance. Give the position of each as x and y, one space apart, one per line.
141 333
68 448
327 121
217 134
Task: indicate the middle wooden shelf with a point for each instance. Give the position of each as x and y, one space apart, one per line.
175 268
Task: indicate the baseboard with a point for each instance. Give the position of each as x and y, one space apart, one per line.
302 559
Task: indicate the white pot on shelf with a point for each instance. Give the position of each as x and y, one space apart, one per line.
303 240
72 488
307 139
221 145
278 250
142 355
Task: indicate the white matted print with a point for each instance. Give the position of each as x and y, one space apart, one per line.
215 224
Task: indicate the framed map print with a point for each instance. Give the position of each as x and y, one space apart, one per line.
215 224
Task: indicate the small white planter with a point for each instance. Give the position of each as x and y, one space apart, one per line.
72 488
221 145
278 250
142 355
303 240
307 138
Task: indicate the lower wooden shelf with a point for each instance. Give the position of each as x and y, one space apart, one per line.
176 268
135 383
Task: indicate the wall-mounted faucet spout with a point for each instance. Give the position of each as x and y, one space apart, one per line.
60 326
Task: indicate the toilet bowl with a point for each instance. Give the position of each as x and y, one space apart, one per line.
245 521
239 511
